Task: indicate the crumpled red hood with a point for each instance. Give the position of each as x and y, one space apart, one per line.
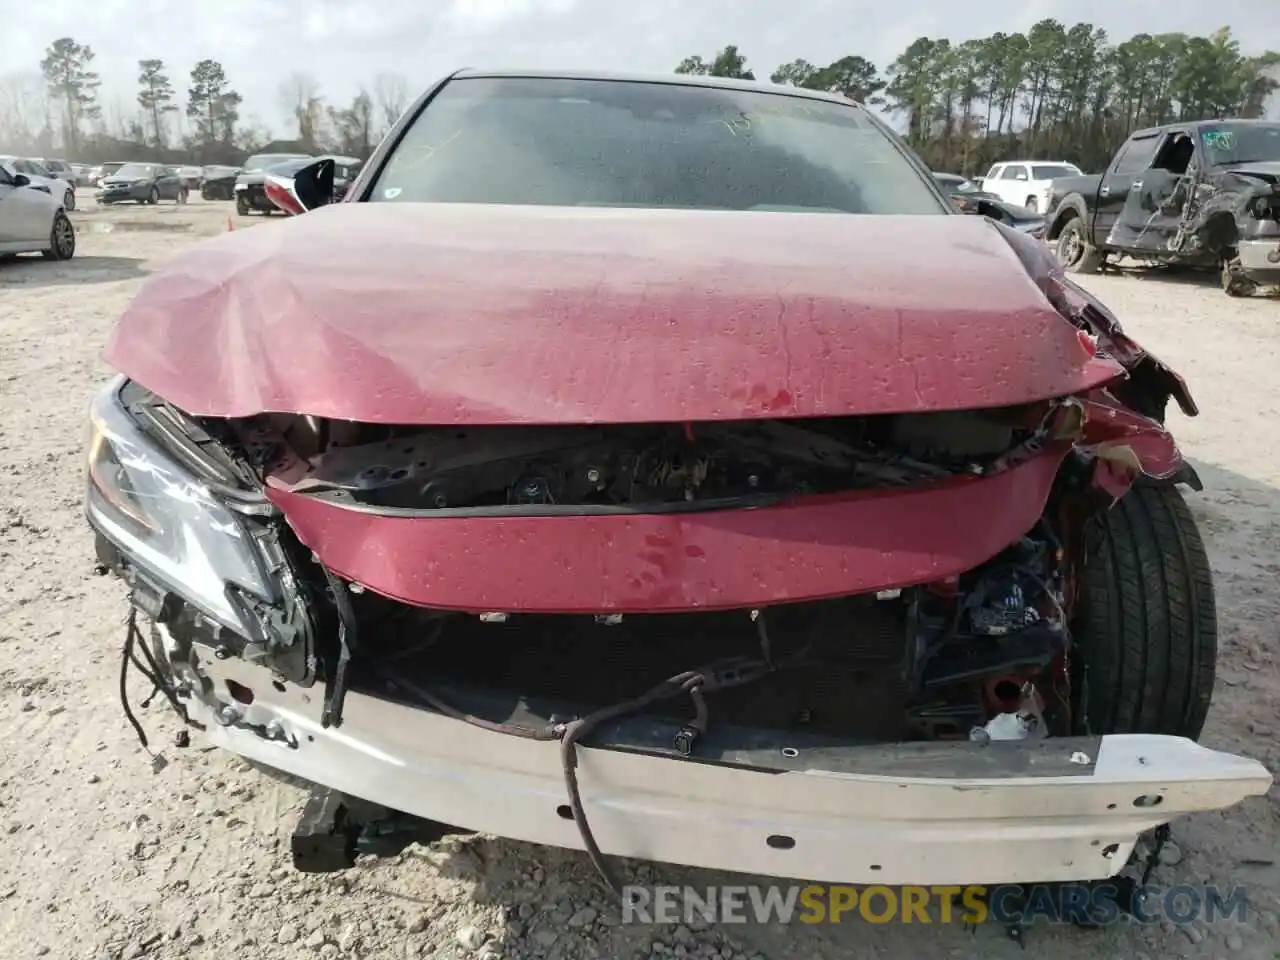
485 314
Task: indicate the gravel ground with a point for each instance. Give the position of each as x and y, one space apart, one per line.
103 858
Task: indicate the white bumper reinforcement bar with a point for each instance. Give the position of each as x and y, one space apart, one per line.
943 813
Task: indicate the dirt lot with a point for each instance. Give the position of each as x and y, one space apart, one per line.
102 858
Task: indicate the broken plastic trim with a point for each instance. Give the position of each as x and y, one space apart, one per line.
336 691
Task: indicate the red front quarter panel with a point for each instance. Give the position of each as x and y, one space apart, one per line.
810 549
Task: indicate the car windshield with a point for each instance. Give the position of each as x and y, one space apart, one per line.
139 170
1052 171
1240 142
264 160
636 144
33 168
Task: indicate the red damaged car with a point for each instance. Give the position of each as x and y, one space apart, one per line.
661 467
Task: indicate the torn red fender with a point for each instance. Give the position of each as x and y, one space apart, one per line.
1090 314
1125 444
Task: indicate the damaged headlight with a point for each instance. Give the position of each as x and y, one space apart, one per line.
165 521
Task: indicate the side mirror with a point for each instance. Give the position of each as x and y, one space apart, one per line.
314 183
982 207
21 180
310 187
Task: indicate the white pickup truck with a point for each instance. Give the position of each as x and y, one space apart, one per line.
1027 182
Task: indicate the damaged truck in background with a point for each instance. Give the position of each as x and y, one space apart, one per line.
1202 194
665 516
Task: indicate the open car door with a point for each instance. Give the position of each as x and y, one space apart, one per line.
1153 208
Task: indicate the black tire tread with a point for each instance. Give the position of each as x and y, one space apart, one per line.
1093 258
1147 629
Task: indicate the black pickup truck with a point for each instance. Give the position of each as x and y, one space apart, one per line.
1202 194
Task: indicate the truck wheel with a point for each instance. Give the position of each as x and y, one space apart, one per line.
1030 204
1147 628
1234 282
1075 252
242 208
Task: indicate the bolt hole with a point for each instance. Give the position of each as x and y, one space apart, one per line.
278 685
1111 806
1095 843
564 812
1148 800
398 474
1007 691
875 866
1110 850
780 841
239 692
790 752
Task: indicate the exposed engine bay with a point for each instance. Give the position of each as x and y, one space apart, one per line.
625 466
925 663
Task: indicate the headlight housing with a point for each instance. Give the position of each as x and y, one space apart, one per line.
166 521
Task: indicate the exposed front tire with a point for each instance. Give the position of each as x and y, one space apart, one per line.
69 200
1030 204
1234 282
154 197
62 239
182 195
1074 251
242 207
1147 628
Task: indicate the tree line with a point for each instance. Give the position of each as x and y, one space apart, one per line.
1054 92
58 112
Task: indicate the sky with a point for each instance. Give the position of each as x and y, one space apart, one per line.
345 43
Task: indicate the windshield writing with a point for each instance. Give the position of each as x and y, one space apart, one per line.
1240 142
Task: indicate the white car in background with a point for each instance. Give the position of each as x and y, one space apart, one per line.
32 218
38 174
1027 183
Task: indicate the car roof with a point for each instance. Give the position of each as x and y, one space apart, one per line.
1196 124
670 79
